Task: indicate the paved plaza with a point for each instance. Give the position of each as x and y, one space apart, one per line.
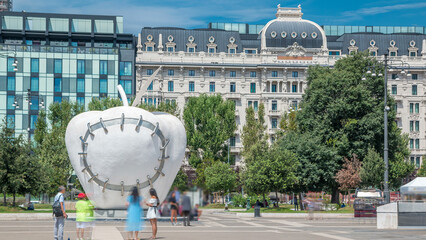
223 226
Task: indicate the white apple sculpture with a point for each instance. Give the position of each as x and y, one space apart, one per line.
114 150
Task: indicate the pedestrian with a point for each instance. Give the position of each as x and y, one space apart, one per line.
186 209
134 214
165 210
196 212
82 215
177 194
59 213
296 205
173 208
153 212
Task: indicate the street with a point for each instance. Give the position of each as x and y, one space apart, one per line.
223 226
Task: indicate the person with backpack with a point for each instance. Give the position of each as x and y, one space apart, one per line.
59 214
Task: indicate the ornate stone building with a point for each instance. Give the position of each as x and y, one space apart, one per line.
253 64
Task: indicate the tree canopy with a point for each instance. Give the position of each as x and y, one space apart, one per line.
209 123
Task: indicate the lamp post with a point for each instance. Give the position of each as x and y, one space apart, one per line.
30 103
385 114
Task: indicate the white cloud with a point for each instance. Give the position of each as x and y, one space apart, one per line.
382 9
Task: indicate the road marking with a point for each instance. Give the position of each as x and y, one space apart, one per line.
251 223
329 236
216 224
106 233
293 224
341 232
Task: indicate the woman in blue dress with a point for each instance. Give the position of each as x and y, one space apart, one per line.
134 214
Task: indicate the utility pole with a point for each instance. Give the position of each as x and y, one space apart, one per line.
386 149
29 114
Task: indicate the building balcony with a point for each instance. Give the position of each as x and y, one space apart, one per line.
235 149
275 112
273 130
232 95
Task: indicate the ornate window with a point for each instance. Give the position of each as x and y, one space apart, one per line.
149 45
314 35
232 47
293 34
393 51
373 49
190 46
283 34
273 34
171 46
304 35
352 48
412 50
211 46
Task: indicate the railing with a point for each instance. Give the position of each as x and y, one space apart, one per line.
58 49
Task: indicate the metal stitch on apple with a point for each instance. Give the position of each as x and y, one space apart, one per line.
138 126
89 128
111 122
122 122
103 124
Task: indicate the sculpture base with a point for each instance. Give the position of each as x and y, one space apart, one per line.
112 214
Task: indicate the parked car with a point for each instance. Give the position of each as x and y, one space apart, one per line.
367 201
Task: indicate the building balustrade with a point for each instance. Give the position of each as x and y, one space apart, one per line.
55 49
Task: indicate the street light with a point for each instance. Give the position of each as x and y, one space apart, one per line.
385 115
29 101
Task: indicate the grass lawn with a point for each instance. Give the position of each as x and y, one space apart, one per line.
44 208
288 209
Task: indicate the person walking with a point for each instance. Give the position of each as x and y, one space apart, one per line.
296 205
186 209
153 212
173 208
82 214
59 213
134 214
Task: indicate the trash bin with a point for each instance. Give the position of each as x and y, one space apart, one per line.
257 211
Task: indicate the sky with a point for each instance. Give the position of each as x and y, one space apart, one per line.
198 13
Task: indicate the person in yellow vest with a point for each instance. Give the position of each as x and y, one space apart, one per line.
82 208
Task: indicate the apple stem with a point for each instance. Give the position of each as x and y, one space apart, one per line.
123 95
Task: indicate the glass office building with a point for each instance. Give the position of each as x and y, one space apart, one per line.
60 57
330 30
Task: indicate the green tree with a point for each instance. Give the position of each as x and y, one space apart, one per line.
318 163
254 129
52 152
345 113
220 177
283 166
209 123
422 170
41 129
97 104
288 121
10 150
28 172
181 180
372 170
167 107
255 174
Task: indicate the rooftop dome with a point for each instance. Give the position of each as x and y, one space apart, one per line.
290 30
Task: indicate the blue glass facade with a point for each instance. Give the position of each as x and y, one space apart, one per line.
69 58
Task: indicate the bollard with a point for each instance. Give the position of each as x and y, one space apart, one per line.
248 204
257 211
